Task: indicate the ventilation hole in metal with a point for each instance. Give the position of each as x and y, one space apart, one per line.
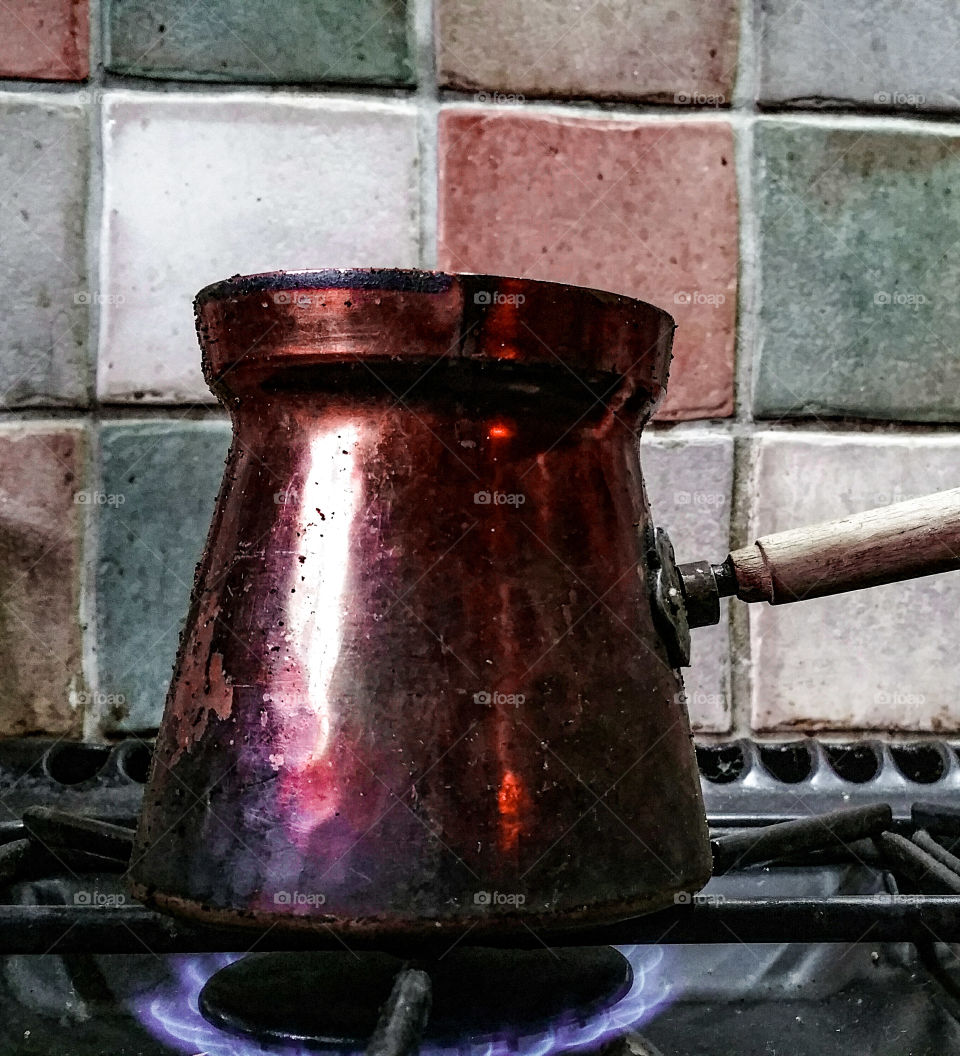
922 763
857 763
71 764
721 763
134 762
790 763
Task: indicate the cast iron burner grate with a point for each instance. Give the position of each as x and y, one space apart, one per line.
791 869
328 999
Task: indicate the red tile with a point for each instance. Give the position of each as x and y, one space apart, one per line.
645 208
42 503
44 39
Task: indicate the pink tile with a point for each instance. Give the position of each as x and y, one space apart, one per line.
667 50
42 502
44 39
645 208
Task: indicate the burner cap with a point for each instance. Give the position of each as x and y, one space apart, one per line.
332 999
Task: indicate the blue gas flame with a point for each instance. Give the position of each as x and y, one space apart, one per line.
173 1015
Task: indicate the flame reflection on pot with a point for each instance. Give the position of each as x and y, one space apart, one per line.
327 505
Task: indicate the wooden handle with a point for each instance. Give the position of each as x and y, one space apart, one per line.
914 538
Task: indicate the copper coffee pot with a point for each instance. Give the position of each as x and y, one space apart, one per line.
429 679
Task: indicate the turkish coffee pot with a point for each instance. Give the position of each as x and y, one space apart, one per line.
429 682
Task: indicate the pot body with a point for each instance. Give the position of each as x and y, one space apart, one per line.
420 688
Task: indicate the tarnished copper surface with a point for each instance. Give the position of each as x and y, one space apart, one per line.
420 688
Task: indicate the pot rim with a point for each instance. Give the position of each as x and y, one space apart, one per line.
399 280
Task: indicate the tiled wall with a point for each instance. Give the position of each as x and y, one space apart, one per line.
781 176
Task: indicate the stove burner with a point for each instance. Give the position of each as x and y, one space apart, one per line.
328 999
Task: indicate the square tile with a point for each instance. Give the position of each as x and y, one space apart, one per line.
689 482
46 40
645 208
879 659
317 41
43 326
662 50
859 269
158 481
43 497
198 188
871 53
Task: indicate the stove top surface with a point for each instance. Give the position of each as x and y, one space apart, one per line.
698 983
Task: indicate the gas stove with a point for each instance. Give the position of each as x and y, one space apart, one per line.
827 928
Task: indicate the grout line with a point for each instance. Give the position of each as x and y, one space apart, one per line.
740 656
428 97
738 673
748 280
836 735
748 56
850 429
421 14
88 595
98 412
90 539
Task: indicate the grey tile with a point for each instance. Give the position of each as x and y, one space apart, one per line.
43 326
157 490
689 483
873 53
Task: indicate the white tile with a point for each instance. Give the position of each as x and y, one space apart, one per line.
198 188
883 658
689 482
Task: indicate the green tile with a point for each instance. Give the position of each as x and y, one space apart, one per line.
335 41
157 489
859 232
